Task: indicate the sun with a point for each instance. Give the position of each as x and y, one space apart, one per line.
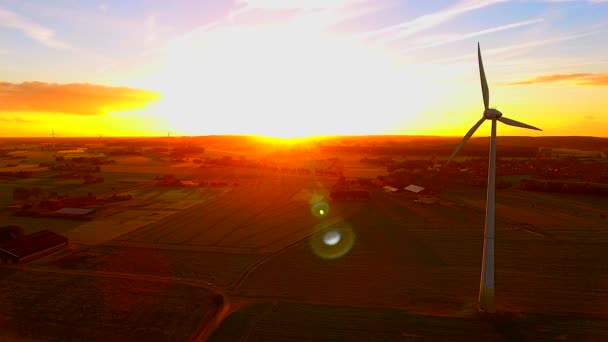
280 81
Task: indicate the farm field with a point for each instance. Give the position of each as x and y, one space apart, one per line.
316 322
257 241
148 205
427 259
218 270
555 213
259 216
110 221
293 264
43 305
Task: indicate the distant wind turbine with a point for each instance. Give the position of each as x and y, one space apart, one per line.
486 286
53 139
100 138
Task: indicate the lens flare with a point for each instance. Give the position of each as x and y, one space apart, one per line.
333 242
331 238
319 209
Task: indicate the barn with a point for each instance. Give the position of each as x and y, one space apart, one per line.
389 188
83 214
74 211
414 188
30 247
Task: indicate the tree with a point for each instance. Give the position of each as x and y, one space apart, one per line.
8 233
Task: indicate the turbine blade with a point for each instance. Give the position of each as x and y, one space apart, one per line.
511 122
466 138
484 82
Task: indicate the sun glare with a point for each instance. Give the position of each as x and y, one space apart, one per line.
287 81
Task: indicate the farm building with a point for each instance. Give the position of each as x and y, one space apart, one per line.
30 247
435 167
188 183
389 188
74 211
82 214
414 188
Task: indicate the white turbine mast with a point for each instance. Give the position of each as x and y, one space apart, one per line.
486 286
100 135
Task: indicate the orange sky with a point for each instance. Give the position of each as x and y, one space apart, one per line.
293 69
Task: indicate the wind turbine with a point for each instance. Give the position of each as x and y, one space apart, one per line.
100 135
53 139
486 285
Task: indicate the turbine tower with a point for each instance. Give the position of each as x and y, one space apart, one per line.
486 286
53 139
100 135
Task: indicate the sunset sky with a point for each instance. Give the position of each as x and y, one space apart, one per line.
294 68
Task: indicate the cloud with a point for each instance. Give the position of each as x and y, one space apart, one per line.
151 28
80 99
459 37
521 46
591 1
297 4
428 21
31 29
586 79
16 119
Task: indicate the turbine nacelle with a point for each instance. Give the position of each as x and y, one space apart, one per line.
491 114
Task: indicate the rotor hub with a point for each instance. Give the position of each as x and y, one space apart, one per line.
492 114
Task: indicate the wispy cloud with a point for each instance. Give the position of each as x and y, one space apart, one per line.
428 21
442 40
16 119
586 79
558 1
311 15
522 46
151 28
81 99
297 4
31 29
